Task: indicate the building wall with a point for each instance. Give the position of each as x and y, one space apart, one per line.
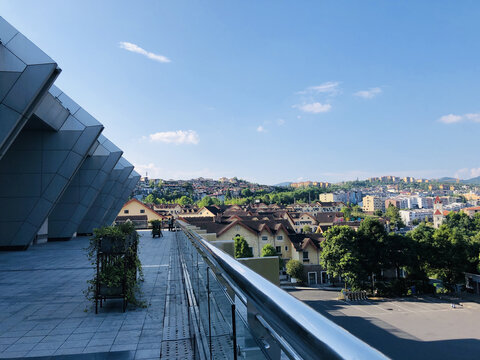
132 181
135 208
373 203
26 74
37 169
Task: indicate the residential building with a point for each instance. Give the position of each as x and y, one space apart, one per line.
471 211
137 211
408 216
373 203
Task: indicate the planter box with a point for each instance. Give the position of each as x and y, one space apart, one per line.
112 245
110 291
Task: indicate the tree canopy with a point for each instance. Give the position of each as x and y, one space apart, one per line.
268 250
241 248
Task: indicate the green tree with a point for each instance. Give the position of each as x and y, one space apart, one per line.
268 250
371 237
340 256
206 201
307 229
246 192
185 200
228 195
347 212
295 269
149 199
393 213
241 247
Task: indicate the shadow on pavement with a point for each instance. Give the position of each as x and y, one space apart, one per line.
396 343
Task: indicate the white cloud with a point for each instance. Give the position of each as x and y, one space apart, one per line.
467 173
314 108
137 49
453 118
176 137
450 119
261 129
169 172
315 99
327 87
473 117
368 94
280 122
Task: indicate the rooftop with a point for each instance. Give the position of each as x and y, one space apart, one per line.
45 313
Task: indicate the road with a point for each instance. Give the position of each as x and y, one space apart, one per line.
404 328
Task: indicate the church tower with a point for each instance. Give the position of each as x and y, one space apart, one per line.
437 213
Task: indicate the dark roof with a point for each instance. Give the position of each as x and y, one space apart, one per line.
131 217
328 217
300 241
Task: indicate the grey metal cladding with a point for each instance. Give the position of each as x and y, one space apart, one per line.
97 211
117 192
51 112
78 198
7 31
133 180
60 159
26 73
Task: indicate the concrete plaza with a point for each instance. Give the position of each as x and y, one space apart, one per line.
404 328
45 313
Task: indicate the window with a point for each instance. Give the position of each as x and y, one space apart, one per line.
251 249
142 211
278 249
264 238
280 237
125 211
305 255
286 248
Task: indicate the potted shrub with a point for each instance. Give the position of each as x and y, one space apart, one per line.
295 270
113 251
156 228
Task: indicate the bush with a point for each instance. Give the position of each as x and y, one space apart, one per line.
295 269
268 250
122 262
241 247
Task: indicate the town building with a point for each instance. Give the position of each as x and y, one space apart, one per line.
373 203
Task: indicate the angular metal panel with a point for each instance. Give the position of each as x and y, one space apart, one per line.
37 73
51 112
27 51
7 79
9 62
130 184
83 190
7 31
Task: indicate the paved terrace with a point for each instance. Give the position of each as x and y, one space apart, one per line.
45 313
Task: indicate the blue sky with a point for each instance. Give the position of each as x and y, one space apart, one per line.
272 91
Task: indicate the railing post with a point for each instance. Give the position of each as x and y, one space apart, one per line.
266 341
209 318
234 333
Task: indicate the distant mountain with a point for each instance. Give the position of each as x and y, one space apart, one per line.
447 180
287 183
472 181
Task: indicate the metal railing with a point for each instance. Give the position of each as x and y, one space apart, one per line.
240 314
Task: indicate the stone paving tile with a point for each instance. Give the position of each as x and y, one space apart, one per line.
45 313
147 353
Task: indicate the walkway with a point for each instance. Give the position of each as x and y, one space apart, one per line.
44 311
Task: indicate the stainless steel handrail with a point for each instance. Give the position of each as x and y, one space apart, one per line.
309 333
